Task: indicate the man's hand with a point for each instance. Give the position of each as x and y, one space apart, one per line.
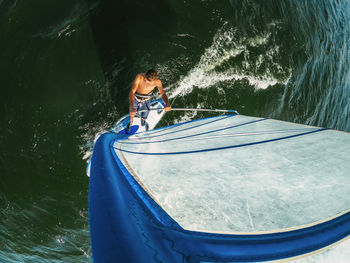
168 108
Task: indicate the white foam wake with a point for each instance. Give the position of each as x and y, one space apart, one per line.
212 68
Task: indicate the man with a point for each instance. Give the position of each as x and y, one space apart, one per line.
140 95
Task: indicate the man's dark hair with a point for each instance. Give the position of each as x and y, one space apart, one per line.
151 74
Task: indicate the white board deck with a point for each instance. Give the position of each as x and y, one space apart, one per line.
153 118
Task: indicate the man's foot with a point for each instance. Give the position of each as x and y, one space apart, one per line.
128 127
144 123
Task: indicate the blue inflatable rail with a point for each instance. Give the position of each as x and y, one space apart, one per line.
127 225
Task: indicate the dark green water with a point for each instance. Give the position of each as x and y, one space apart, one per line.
66 68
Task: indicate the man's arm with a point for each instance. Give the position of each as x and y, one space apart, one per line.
132 110
164 96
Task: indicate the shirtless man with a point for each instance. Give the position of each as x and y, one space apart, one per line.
140 95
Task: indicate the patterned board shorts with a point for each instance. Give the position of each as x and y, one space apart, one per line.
142 105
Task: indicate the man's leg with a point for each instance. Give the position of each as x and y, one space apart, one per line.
145 106
136 107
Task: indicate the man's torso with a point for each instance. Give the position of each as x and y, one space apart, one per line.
145 88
